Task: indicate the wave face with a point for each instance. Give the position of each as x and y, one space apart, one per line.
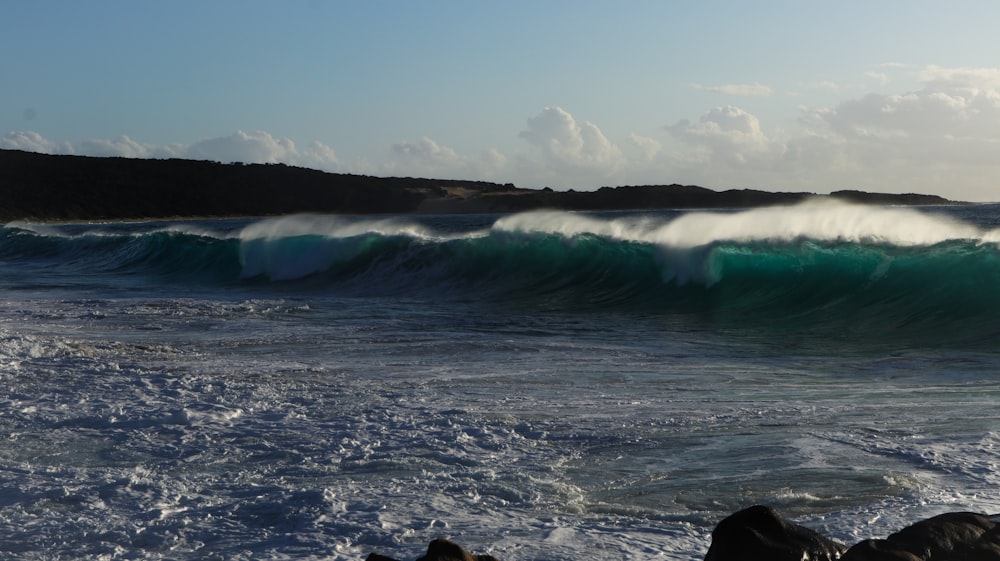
834 266
170 252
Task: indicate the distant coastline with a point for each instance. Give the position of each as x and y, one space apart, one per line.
61 187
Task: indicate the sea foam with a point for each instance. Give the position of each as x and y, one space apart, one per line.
815 220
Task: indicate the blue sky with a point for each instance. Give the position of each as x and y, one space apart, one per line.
897 96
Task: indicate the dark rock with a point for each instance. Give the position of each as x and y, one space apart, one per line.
944 537
986 548
759 533
440 550
878 550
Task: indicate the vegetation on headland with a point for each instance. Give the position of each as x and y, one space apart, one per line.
60 187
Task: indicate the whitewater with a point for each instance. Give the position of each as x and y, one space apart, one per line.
537 386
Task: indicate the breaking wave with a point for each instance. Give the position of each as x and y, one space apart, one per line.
842 266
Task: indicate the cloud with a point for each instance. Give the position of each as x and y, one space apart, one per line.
425 157
258 147
649 148
953 117
428 158
427 151
261 148
738 89
124 147
31 141
942 137
493 159
971 81
893 65
821 85
566 146
728 134
319 156
881 77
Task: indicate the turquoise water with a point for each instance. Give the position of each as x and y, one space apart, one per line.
536 386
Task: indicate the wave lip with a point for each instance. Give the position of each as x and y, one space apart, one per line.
294 247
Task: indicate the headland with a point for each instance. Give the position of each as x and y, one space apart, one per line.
65 188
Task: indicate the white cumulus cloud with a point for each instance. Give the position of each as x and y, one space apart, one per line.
649 148
426 157
568 148
427 152
727 133
258 147
429 158
261 147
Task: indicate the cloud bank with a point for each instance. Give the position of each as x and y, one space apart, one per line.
941 137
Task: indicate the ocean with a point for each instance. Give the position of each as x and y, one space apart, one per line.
539 386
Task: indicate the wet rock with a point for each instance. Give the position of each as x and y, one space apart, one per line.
759 533
440 550
954 535
987 547
878 550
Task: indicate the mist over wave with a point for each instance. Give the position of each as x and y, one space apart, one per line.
825 221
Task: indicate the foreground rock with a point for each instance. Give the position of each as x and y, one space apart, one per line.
760 533
440 550
955 535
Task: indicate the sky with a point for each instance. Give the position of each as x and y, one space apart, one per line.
887 96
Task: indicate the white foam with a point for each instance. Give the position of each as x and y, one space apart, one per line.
328 226
293 247
816 220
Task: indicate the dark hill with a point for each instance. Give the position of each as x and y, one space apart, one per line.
47 187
